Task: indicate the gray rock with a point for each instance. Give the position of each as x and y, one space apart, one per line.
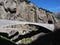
20 10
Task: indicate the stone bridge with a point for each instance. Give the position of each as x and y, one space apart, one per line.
4 23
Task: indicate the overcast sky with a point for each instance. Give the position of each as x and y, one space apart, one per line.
52 5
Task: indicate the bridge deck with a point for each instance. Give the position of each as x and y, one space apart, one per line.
4 23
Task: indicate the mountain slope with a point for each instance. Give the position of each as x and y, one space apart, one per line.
24 10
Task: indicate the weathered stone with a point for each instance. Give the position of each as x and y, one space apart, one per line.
22 11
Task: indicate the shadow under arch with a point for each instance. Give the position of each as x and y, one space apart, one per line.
44 29
52 38
32 33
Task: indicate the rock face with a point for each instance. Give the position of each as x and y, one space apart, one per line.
23 10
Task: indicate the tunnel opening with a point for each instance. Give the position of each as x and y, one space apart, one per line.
50 22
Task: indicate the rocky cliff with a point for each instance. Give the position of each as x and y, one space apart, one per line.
24 10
